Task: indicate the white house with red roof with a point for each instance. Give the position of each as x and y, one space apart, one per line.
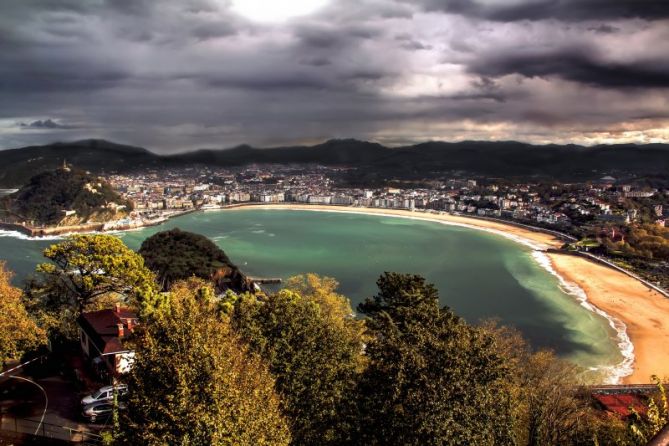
100 335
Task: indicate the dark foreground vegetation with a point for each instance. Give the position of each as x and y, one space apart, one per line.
297 367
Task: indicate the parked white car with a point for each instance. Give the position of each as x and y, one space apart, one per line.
105 393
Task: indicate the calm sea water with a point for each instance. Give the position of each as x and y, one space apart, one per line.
479 275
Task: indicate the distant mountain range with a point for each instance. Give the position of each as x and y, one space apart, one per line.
507 159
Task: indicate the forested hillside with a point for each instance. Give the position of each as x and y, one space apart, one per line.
50 197
503 159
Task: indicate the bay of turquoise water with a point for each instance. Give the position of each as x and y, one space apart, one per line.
479 275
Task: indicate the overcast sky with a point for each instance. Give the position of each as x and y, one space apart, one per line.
174 75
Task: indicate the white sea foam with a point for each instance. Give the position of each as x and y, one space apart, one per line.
22 236
118 232
613 373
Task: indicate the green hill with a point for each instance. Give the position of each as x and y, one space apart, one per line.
50 198
19 165
178 255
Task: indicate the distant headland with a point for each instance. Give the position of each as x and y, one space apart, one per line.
60 201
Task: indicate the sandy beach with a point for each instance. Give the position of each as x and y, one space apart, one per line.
539 239
644 312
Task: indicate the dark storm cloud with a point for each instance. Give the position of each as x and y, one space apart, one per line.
326 36
127 20
78 78
179 74
214 30
568 10
577 65
604 29
75 46
316 61
484 88
409 43
42 124
291 81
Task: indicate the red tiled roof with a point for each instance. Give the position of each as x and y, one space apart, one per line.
620 404
113 345
102 327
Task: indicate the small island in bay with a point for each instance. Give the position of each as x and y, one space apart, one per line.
176 255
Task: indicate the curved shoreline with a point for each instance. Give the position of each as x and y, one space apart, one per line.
533 238
621 371
643 311
599 289
588 282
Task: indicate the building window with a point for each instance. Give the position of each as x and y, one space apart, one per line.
84 340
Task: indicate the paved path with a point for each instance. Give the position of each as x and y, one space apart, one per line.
22 406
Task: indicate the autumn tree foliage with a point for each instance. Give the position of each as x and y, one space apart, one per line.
313 344
18 331
550 405
647 241
300 367
645 428
88 272
432 378
194 382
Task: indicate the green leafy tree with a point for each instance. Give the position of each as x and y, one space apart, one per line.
195 383
431 379
88 271
555 413
313 344
178 255
18 331
549 406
